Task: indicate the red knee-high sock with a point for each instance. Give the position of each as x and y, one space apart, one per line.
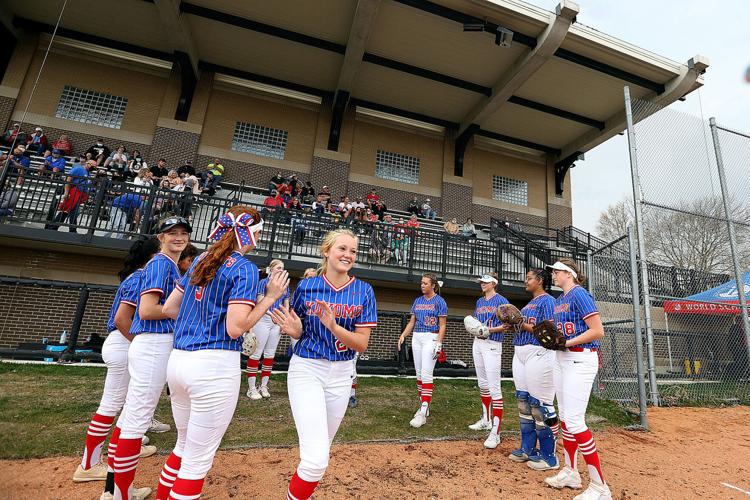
168 475
266 372
497 415
112 449
484 394
555 430
252 370
95 436
126 461
427 393
299 489
570 446
587 446
419 389
354 390
184 489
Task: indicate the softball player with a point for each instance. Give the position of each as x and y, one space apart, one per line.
268 335
213 304
332 314
532 376
429 314
149 351
574 372
115 355
487 357
310 272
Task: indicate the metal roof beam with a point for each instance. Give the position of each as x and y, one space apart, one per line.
246 75
178 31
549 41
518 142
674 90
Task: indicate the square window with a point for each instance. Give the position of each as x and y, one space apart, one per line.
90 106
510 190
259 140
397 167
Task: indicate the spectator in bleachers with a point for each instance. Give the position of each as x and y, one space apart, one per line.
144 177
186 200
427 211
75 192
173 179
272 202
117 162
14 134
400 241
186 170
9 198
207 184
345 208
36 143
275 182
191 183
413 224
370 216
294 183
468 230
372 197
294 204
299 227
451 227
319 205
99 151
136 164
379 245
380 209
325 192
358 204
308 190
126 209
18 162
159 171
285 191
55 163
64 145
413 207
217 169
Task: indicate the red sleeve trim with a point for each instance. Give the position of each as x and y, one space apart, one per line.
128 303
591 314
365 325
152 290
178 287
242 301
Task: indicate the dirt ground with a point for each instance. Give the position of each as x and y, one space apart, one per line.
689 453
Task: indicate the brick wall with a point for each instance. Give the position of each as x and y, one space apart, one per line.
560 216
483 214
252 173
331 173
457 202
6 109
33 263
173 145
394 198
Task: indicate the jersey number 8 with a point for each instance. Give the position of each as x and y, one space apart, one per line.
567 328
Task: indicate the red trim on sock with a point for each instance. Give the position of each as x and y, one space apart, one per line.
126 461
252 367
570 446
167 477
419 388
189 487
497 409
427 393
267 367
487 403
112 448
299 489
587 445
96 434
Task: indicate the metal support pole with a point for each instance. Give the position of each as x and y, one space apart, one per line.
590 271
83 299
669 343
637 328
654 391
732 238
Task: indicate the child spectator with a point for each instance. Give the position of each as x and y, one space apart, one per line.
75 193
64 145
372 197
136 164
294 204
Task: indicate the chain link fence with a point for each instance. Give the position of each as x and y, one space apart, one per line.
686 292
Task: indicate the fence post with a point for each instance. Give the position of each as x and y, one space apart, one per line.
637 327
98 202
412 242
636 180
444 260
732 238
272 240
148 211
590 271
83 298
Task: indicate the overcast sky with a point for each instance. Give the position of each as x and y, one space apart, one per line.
677 29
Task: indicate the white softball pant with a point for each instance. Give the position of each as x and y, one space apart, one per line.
423 349
532 372
318 394
204 387
267 334
487 359
147 365
115 356
574 374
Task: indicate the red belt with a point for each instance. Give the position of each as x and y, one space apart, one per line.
583 349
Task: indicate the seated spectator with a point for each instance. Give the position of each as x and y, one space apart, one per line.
294 183
55 163
9 198
308 190
186 170
207 184
99 152
468 230
191 183
159 171
294 204
272 202
413 207
18 162
217 169
285 191
451 227
117 162
358 204
125 209
14 134
412 224
371 216
144 178
275 182
379 209
345 208
372 197
325 193
333 211
64 145
173 179
319 205
427 211
36 143
136 164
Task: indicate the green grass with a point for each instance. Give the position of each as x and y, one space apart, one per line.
45 409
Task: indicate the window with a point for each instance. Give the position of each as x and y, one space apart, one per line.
90 106
259 140
510 190
397 167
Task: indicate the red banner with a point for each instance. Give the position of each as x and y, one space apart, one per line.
692 307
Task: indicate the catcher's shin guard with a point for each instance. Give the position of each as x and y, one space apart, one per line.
528 430
545 418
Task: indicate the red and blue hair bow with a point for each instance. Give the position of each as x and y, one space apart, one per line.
244 225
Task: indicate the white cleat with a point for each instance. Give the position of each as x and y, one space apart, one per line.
145 440
253 394
158 427
481 425
542 464
97 472
147 451
264 392
566 478
595 491
138 494
492 441
418 421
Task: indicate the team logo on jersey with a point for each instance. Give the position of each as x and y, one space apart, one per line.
199 293
339 310
486 309
562 308
424 307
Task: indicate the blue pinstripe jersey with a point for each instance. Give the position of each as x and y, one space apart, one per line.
159 276
540 308
279 302
126 293
485 312
353 304
201 322
427 313
571 310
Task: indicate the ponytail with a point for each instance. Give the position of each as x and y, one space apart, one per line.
140 252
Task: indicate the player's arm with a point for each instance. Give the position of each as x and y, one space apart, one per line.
124 319
407 330
172 306
356 340
242 316
442 321
595 331
150 309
